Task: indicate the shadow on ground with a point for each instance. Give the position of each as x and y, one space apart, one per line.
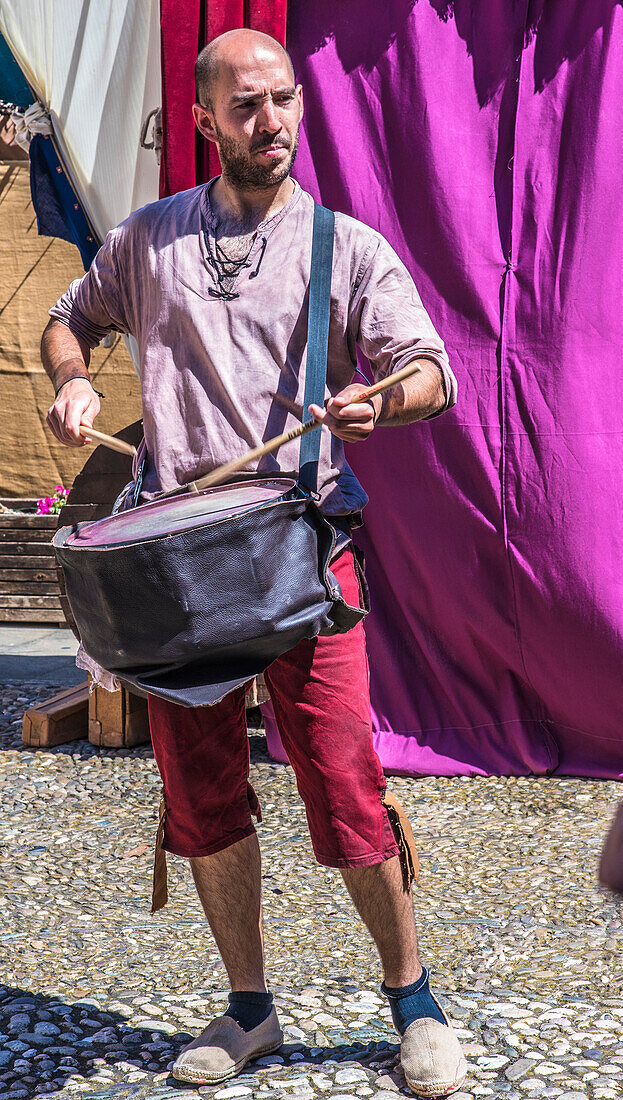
36 668
46 1041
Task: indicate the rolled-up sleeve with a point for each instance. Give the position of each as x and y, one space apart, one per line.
93 306
389 322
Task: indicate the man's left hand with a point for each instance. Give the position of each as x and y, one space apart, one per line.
347 419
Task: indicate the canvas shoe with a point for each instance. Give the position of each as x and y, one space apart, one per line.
223 1049
431 1057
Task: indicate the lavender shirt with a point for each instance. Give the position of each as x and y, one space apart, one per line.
210 368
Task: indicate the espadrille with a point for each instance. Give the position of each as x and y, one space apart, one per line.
432 1059
223 1049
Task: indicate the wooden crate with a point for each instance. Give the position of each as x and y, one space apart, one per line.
117 720
29 591
63 718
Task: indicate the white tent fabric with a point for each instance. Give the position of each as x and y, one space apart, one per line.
96 67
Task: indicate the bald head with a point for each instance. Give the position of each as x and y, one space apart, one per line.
227 53
249 105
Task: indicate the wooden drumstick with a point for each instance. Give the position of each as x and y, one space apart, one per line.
107 440
223 472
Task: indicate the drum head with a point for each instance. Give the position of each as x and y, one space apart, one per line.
179 513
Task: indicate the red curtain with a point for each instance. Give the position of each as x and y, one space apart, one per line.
186 26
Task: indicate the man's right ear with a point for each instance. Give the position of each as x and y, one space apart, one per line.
204 121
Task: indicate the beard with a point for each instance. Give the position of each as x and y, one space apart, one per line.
243 172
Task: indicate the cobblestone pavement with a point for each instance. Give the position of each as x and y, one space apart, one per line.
99 996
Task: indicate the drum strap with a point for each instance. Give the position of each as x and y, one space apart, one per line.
318 313
317 338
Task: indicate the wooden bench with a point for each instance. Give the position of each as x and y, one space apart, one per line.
29 591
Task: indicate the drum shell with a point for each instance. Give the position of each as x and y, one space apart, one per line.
232 594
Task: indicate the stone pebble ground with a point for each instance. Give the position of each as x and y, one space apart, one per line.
99 997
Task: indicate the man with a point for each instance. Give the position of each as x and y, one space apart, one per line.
212 283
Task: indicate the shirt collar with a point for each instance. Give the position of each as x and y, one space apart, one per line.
265 226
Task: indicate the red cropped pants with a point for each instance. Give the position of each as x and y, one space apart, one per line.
321 698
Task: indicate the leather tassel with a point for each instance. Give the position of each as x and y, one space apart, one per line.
401 828
160 892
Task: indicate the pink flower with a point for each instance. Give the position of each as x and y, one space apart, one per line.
53 504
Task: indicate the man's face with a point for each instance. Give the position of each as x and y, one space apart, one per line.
255 118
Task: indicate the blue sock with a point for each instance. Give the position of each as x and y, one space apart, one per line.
412 1002
249 1009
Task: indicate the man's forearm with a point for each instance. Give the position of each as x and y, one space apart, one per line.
420 396
63 355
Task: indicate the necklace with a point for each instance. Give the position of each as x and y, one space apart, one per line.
227 268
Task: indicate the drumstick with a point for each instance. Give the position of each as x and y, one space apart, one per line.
107 440
223 472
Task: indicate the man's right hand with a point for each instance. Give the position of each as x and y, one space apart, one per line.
77 403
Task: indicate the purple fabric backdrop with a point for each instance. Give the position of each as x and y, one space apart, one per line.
489 155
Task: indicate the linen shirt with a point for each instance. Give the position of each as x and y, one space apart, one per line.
220 377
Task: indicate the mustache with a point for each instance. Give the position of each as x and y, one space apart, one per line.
283 143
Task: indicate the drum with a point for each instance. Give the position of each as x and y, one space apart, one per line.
193 594
177 513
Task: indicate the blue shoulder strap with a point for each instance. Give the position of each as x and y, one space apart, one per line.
317 338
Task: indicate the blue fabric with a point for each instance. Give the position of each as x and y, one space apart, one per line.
412 1002
58 209
13 87
317 337
249 1009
